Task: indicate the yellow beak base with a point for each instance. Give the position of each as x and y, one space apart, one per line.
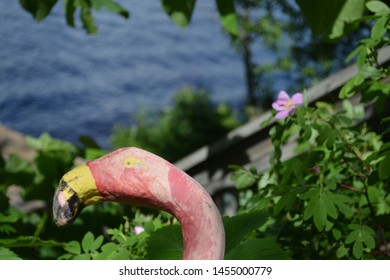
76 190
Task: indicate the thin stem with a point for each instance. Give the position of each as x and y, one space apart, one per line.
350 188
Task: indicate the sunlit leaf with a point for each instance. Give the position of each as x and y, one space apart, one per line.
180 11
245 180
379 29
73 247
87 242
86 17
110 6
7 254
378 7
96 243
341 252
228 16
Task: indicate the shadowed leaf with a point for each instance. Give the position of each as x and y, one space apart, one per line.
257 249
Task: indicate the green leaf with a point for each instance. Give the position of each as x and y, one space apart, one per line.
341 252
245 180
70 9
351 11
257 249
238 227
96 243
320 205
384 167
330 18
319 216
342 202
370 72
349 88
40 9
73 247
285 202
336 234
327 136
378 7
108 252
228 16
165 243
87 241
149 226
180 11
320 15
111 6
7 254
327 199
267 179
373 194
379 29
86 17
91 154
46 143
7 229
354 53
82 257
357 249
88 142
359 236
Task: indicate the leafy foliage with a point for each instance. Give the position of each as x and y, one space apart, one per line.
332 18
192 121
332 199
179 11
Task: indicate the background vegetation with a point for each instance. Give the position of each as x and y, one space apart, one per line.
330 201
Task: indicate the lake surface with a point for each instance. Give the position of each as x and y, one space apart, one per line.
59 80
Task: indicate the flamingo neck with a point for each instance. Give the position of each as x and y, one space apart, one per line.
148 180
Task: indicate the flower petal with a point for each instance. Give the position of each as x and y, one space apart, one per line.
282 114
283 96
297 99
277 106
138 229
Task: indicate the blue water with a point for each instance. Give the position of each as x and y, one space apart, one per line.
59 80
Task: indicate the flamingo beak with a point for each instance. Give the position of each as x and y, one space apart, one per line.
76 190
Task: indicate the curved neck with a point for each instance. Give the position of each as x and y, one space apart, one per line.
141 178
203 232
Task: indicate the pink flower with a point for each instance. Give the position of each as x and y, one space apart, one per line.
138 229
316 169
286 106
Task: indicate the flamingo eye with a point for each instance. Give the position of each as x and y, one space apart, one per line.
131 162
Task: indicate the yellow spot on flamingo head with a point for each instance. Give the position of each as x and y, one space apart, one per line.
132 162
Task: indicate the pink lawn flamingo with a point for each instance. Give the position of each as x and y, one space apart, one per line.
132 175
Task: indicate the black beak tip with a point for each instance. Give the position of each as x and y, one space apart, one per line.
65 210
